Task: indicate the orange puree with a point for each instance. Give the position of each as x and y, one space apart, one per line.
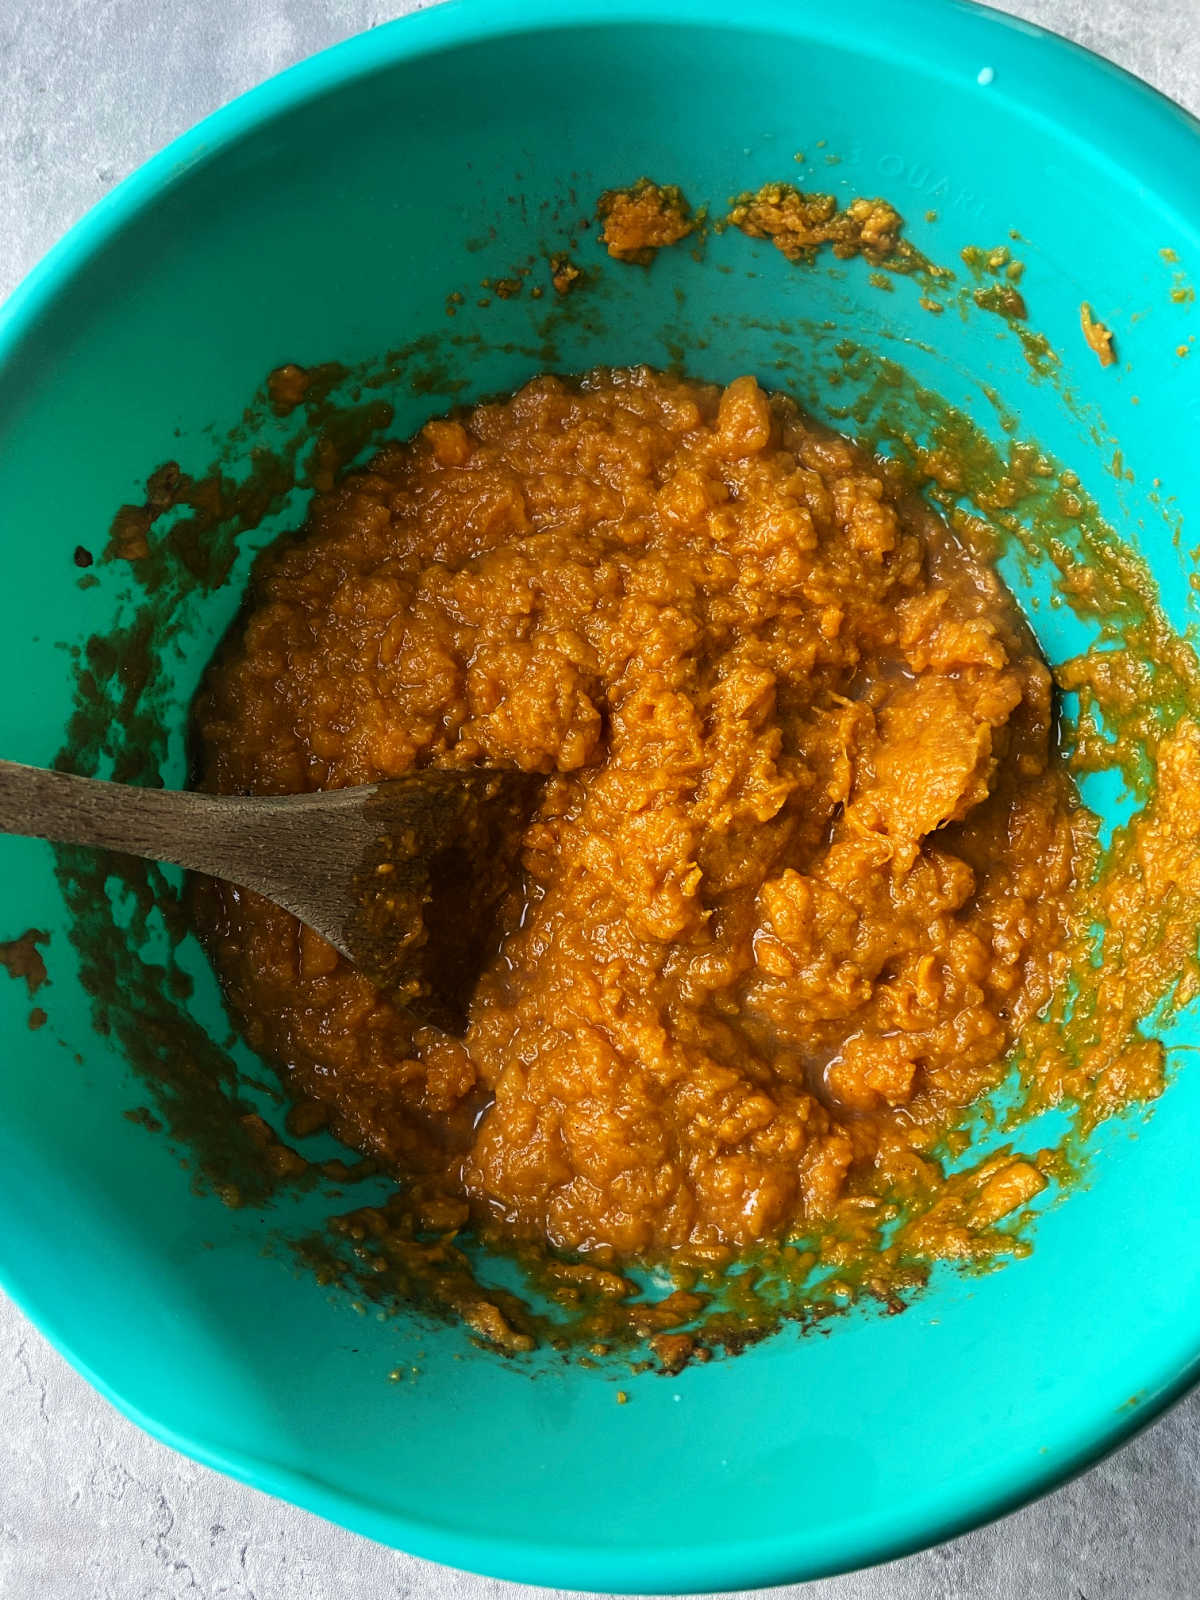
803 862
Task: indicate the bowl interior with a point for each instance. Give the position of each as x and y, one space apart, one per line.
328 218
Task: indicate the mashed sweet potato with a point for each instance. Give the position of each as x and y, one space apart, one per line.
806 848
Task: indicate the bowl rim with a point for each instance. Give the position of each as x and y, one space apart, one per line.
1021 53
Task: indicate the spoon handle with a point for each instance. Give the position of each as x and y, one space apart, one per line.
188 830
298 850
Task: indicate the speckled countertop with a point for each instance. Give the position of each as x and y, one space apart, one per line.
92 1509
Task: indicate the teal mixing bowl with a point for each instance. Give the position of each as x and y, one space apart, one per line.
326 216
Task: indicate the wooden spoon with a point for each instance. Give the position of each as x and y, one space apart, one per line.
404 878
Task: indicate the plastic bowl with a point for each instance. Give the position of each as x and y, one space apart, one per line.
326 216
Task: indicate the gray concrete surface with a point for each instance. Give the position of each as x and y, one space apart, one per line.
92 1509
